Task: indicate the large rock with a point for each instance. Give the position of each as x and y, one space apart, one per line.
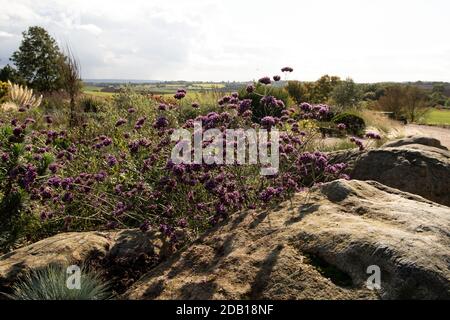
117 253
425 141
416 165
317 246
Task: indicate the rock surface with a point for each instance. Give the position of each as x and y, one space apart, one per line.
416 165
317 246
112 249
425 141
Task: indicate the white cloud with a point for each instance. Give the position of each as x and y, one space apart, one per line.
241 40
4 34
91 28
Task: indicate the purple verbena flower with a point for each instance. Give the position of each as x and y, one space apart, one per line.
265 80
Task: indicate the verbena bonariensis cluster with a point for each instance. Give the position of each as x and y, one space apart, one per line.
115 171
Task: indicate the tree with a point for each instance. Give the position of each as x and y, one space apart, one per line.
415 102
296 91
404 101
323 88
392 100
37 60
346 93
437 96
8 73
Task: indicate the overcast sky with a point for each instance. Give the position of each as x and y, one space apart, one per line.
383 40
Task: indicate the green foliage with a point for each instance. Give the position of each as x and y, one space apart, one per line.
8 73
129 98
91 104
437 96
371 91
354 124
297 91
313 92
50 284
404 101
346 93
37 60
261 90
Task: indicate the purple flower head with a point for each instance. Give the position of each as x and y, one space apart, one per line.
269 101
107 142
210 185
17 131
268 122
268 194
276 78
247 114
53 167
67 183
54 181
235 95
195 105
139 123
250 88
305 107
265 80
119 209
162 107
244 105
280 104
373 135
46 193
131 110
120 122
5 157
48 119
67 197
179 95
341 126
182 223
161 123
111 160
178 169
145 226
29 176
287 69
101 176
29 120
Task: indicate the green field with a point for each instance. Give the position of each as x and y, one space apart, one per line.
439 117
95 91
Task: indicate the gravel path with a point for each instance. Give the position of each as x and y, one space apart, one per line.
442 134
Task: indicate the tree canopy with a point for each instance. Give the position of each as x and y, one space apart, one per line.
37 59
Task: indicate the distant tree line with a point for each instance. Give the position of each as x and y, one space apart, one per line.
401 101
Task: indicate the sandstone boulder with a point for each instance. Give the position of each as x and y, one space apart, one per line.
317 246
115 253
405 164
422 140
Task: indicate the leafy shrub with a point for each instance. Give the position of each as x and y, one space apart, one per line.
90 104
353 123
261 108
50 284
346 93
